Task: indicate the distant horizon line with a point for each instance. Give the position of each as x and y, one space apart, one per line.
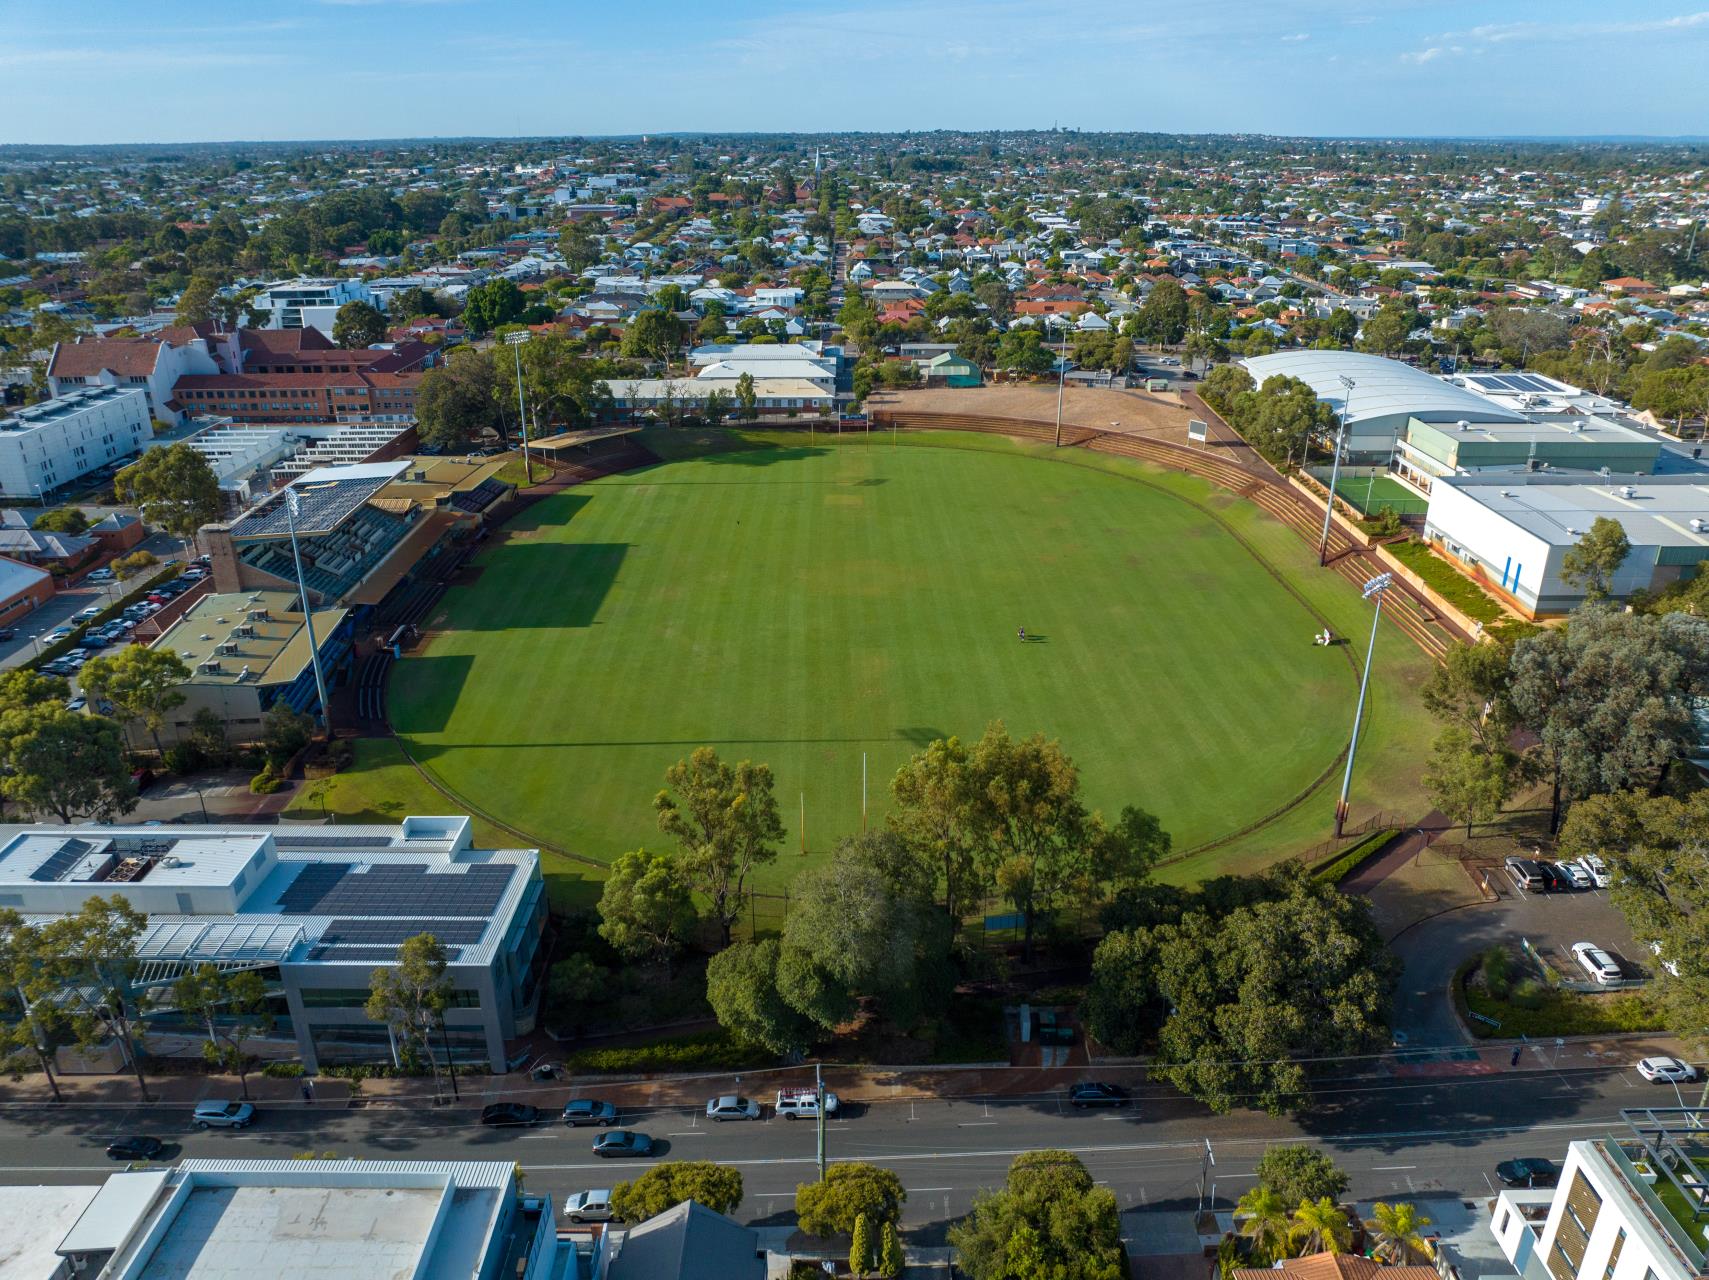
420 139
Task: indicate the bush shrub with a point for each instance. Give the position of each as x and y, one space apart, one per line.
183 758
703 1051
283 1070
266 782
1349 860
1497 968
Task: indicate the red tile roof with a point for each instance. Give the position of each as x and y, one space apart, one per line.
125 357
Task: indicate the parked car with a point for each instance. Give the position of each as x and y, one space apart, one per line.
622 1142
8 633
135 1147
84 615
100 575
1600 875
61 633
732 1107
1558 880
1596 962
1526 875
1532 1171
1095 1093
589 1111
217 1113
510 1113
76 704
793 1104
1578 875
1664 1070
589 1206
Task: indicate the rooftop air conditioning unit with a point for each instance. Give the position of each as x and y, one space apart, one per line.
259 615
1628 491
211 666
1697 525
227 647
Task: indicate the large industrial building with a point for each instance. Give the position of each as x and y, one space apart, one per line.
1514 530
1384 397
313 910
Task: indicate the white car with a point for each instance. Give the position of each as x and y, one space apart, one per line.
1596 962
795 1104
1597 869
588 1206
1667 1071
1579 875
732 1107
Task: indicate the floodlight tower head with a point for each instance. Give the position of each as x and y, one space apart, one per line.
1377 585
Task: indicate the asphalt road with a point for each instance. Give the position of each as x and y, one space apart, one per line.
1398 1136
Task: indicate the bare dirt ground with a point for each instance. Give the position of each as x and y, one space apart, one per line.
1134 412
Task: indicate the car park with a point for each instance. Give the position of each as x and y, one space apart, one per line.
1095 1093
582 1111
615 1143
1601 966
1665 1070
136 1147
589 1206
218 1113
796 1104
732 1107
515 1114
1532 1171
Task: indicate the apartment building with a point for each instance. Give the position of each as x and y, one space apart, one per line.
304 303
153 364
46 445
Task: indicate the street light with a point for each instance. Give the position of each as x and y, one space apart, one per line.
291 512
1335 469
1372 589
516 340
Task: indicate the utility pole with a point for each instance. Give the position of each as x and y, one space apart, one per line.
1205 1166
819 1109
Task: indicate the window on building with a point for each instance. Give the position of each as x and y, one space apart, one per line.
1614 1254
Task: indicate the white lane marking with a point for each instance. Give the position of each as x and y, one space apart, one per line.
976 1124
1391 1168
688 1133
927 1190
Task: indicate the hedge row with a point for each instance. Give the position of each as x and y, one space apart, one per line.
1343 864
702 1051
62 647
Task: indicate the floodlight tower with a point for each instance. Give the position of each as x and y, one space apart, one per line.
516 340
292 511
1373 589
1335 469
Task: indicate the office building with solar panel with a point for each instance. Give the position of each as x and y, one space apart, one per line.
315 911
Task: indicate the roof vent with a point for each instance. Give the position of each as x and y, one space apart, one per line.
1463 425
1507 493
1697 525
1628 491
245 675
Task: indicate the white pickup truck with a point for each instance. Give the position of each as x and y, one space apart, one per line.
803 1103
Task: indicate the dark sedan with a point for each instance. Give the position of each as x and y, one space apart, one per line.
1094 1093
1533 1171
510 1113
589 1111
622 1142
135 1148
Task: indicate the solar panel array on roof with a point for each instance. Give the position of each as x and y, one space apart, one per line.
1510 382
322 507
366 954
341 933
336 888
68 856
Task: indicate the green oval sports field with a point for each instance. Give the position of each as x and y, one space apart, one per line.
805 604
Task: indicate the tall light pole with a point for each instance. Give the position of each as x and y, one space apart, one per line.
291 512
516 340
1061 381
1335 469
1373 588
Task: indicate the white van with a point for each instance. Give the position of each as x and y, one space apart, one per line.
803 1103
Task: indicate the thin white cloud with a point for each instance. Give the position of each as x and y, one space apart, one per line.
1478 39
1296 37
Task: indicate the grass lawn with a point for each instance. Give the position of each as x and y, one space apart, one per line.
809 603
1371 494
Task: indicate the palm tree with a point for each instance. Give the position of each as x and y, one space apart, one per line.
1399 1229
1266 1224
1320 1227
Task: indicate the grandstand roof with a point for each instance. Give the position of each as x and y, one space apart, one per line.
1383 388
328 495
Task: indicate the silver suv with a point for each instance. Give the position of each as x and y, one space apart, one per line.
220 1114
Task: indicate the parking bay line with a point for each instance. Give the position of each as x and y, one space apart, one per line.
1392 1168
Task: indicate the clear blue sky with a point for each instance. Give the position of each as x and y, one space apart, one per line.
174 71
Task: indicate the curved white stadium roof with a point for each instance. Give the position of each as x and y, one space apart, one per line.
1383 388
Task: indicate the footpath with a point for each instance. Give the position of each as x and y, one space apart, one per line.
854 1084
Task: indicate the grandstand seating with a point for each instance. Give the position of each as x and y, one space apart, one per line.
333 563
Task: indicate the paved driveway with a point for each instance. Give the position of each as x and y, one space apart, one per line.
1431 950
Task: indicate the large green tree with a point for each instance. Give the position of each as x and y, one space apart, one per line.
646 910
742 988
175 487
653 335
409 998
141 683
1469 782
664 1186
849 1190
725 821
458 400
1049 1219
65 763
88 971
1592 561
1297 1174
487 306
1162 318
232 1008
358 324
1610 697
